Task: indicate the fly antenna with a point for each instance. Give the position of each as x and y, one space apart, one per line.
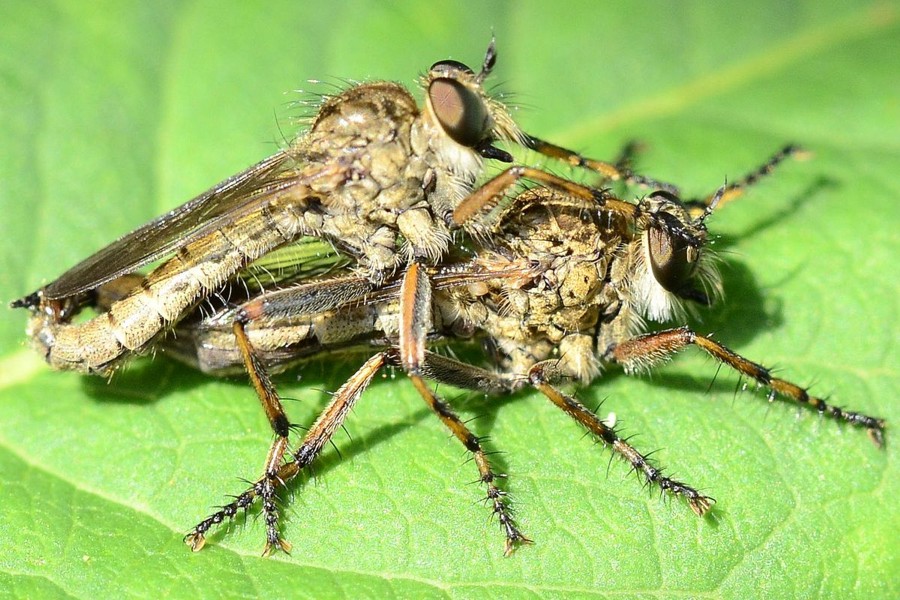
490 59
711 206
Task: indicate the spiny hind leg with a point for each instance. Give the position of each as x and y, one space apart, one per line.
541 376
278 474
266 486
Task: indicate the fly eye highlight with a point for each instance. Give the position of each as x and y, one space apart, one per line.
462 113
447 68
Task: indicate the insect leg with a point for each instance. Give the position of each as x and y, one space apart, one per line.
625 159
620 171
541 376
271 404
453 372
316 437
732 191
415 317
415 322
482 200
643 351
495 495
543 373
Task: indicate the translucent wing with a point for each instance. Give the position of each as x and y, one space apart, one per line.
229 199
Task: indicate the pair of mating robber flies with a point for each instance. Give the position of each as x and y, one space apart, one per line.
369 232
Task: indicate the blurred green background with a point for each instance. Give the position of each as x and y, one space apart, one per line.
115 112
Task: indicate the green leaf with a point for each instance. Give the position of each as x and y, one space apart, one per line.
116 112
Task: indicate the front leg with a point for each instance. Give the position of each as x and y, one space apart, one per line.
543 374
642 352
618 171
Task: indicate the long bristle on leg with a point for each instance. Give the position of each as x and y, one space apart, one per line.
496 496
643 351
321 432
541 375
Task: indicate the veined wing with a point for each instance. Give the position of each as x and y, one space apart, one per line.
281 321
306 258
229 199
308 297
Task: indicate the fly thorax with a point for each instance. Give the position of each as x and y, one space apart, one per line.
571 302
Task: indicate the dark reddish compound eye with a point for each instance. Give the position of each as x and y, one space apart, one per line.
672 258
460 111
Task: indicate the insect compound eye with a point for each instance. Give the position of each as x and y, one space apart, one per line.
672 258
461 112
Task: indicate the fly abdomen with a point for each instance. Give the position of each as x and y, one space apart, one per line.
161 298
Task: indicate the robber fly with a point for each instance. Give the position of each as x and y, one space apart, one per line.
380 178
560 281
375 175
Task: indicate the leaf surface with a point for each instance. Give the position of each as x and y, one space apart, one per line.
114 114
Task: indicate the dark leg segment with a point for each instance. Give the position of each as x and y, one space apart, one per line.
732 191
542 373
271 404
643 351
318 435
540 377
626 155
619 171
495 495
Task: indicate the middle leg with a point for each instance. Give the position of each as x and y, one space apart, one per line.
542 377
415 323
